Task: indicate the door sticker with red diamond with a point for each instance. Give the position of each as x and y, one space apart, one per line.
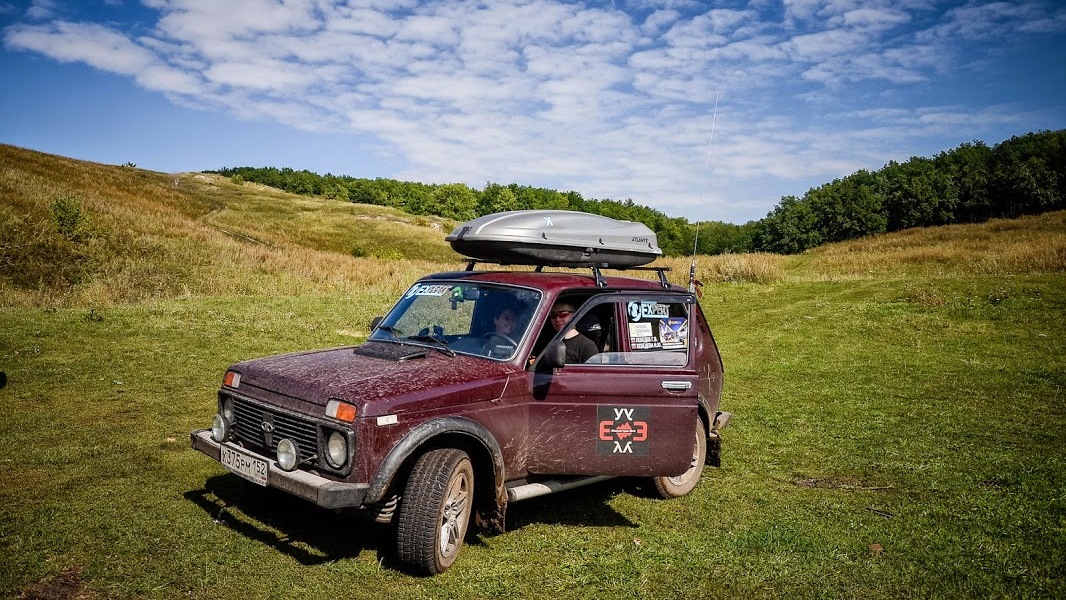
623 430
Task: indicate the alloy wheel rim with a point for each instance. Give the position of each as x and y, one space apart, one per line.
452 517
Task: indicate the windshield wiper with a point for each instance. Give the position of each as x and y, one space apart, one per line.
442 344
419 354
393 336
389 329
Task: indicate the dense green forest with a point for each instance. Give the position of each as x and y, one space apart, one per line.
968 184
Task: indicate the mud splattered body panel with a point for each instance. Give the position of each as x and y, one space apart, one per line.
435 372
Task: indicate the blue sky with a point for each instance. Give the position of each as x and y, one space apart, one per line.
613 99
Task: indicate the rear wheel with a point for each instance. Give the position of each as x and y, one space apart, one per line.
673 487
435 510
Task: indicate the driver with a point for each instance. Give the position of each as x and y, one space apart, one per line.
504 321
500 342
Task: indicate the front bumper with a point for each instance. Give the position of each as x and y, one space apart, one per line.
313 488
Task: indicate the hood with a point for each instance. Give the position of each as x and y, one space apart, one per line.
379 377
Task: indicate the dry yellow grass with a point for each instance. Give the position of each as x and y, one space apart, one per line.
1027 245
155 236
759 267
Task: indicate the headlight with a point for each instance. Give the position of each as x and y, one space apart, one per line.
219 428
288 457
336 449
227 410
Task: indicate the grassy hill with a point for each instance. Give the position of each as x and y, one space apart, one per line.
1024 246
146 235
123 234
899 402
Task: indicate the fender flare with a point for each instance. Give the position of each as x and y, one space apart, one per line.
423 433
704 406
714 440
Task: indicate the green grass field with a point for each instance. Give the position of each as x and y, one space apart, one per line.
898 430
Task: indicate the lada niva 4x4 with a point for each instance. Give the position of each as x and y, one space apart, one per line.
472 393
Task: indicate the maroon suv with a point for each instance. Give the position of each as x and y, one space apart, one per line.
462 400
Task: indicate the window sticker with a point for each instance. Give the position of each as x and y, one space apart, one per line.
428 290
639 311
674 332
642 337
652 328
622 430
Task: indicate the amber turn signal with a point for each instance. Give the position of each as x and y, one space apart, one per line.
342 411
232 379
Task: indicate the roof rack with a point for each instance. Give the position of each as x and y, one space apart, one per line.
596 270
556 238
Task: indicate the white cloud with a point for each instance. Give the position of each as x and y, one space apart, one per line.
878 18
362 21
990 21
713 28
800 10
42 9
165 79
194 20
263 75
612 99
432 30
95 45
821 45
659 21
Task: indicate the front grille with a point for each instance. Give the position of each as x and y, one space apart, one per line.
248 428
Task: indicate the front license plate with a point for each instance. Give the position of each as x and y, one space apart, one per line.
244 464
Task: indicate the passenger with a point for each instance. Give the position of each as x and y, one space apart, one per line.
578 347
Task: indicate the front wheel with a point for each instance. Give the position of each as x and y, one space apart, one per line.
435 510
673 487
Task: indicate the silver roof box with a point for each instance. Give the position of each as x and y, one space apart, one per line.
559 238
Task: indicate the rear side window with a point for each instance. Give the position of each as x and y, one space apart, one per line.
653 333
657 332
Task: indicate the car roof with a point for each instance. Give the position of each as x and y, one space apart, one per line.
552 281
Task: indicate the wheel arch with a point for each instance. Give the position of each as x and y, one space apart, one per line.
490 495
714 441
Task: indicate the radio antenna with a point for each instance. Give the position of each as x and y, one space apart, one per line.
692 282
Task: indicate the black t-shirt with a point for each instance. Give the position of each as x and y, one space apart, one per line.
579 349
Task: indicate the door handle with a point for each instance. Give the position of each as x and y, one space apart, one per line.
677 386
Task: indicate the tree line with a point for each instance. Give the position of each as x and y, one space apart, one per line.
461 202
968 184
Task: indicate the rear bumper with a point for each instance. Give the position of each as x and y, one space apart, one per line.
313 488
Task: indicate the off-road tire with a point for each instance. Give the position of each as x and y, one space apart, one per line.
673 487
435 511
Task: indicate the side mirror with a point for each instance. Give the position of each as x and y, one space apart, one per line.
374 323
553 357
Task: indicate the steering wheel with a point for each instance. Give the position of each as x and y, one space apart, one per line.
493 334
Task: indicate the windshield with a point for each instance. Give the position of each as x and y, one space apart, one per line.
468 318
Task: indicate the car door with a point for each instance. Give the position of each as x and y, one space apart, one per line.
632 408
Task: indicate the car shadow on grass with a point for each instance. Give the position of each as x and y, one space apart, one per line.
583 507
312 535
309 534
